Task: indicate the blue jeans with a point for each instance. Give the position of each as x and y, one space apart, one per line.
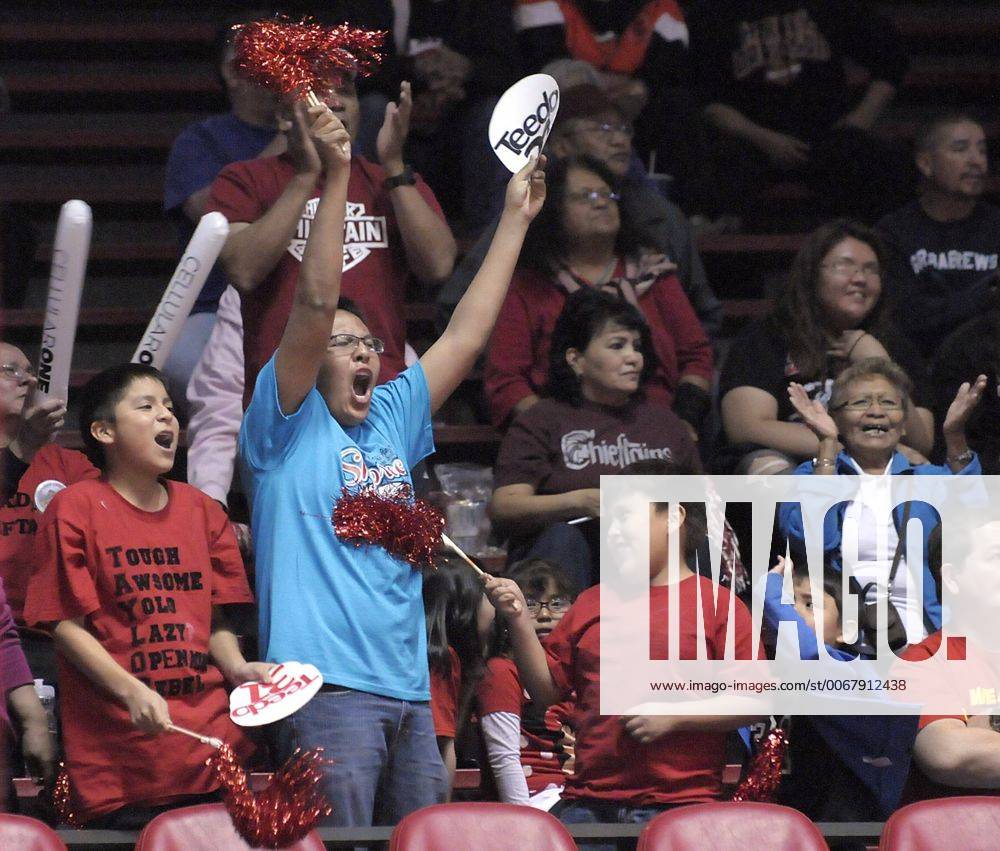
386 762
581 811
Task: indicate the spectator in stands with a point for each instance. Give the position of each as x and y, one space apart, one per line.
34 468
943 246
831 313
592 124
867 411
972 349
317 424
630 768
839 767
394 226
530 747
133 576
593 419
17 692
639 52
201 151
958 752
583 240
775 88
459 628
461 57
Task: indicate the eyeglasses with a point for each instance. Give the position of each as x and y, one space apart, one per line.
18 373
606 129
845 268
350 341
593 196
556 606
865 403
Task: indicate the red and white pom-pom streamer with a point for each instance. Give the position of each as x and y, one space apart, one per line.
409 529
295 59
761 782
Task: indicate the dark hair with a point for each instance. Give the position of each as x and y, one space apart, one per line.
798 315
546 241
695 519
928 133
583 102
451 601
351 306
99 398
586 314
532 576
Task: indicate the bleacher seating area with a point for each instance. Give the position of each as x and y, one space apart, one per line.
99 91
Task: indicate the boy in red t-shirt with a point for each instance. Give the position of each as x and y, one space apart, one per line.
132 573
629 768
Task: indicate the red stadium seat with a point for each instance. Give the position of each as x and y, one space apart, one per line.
204 827
28 834
729 826
480 827
967 822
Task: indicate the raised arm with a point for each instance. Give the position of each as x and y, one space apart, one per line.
427 240
307 334
449 360
253 249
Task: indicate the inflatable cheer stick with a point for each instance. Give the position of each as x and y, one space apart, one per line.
69 266
182 291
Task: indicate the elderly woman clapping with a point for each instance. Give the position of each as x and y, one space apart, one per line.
868 406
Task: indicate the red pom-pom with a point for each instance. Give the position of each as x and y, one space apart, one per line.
286 810
290 58
761 782
409 529
62 799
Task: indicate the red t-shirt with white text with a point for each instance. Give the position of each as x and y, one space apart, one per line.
19 516
682 767
145 583
375 272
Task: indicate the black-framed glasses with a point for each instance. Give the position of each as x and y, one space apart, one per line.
346 342
18 373
593 195
556 606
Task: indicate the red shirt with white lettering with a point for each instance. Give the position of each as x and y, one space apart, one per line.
547 740
52 466
144 582
677 768
375 269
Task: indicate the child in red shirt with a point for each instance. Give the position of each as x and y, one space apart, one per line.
133 571
530 747
459 626
629 768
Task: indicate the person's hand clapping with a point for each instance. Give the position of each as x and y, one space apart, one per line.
394 130
301 149
526 190
964 403
330 138
813 414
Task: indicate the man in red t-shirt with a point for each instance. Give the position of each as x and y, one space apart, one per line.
34 470
628 768
393 226
132 577
959 754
